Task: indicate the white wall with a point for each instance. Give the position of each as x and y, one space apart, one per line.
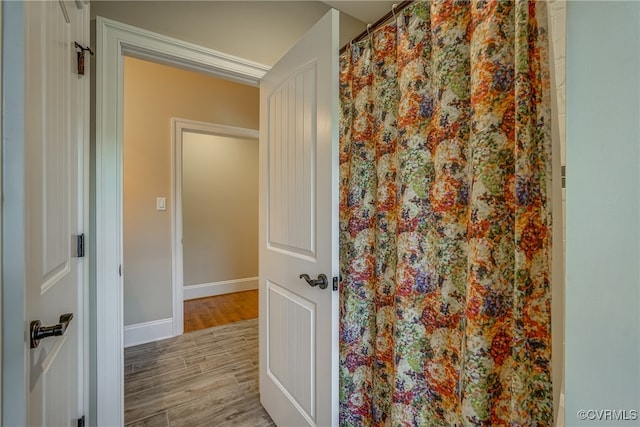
603 211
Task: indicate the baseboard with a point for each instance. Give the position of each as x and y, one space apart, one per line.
142 333
220 288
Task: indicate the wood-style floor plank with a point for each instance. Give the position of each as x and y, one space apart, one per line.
203 378
219 310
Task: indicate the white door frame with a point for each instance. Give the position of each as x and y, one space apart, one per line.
178 127
114 40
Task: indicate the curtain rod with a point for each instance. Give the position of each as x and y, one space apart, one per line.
372 27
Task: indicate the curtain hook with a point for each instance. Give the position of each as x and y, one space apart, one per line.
393 11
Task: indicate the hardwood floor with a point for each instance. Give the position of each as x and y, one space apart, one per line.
203 378
219 310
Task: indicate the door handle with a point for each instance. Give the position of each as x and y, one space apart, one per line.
321 281
38 331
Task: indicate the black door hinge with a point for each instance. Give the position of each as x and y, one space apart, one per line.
80 54
81 421
80 245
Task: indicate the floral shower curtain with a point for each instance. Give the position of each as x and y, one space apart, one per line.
445 221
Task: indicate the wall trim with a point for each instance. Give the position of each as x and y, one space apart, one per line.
220 288
150 46
142 333
113 40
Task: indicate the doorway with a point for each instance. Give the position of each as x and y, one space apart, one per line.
217 223
189 218
119 41
220 232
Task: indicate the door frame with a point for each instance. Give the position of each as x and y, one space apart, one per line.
115 40
178 127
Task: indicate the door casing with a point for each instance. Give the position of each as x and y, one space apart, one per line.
114 40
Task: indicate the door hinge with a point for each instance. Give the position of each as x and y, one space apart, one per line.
80 55
81 421
336 281
80 245
120 270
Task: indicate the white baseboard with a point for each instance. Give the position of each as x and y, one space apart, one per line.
142 333
219 288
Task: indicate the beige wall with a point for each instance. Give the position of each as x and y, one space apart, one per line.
219 208
260 31
153 94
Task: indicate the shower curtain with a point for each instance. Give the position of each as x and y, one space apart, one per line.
445 221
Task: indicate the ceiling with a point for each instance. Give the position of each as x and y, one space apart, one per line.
364 10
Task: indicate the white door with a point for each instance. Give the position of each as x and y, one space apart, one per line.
299 231
54 136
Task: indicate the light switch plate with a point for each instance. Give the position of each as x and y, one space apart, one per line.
161 204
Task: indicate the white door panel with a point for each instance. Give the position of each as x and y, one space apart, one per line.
53 138
291 152
299 231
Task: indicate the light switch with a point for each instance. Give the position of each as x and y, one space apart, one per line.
161 204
